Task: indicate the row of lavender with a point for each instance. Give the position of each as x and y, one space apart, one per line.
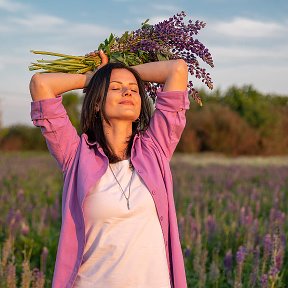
30 189
232 222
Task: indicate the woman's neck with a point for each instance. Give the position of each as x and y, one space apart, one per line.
117 135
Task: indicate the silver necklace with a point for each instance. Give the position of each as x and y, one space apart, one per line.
127 198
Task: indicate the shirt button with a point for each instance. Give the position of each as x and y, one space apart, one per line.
139 171
153 192
161 218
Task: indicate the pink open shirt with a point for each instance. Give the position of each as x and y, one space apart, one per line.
83 163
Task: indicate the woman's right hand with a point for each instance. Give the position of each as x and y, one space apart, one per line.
103 56
104 61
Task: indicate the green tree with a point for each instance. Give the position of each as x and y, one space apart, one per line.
250 104
72 103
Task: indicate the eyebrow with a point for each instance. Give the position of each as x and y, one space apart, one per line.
132 83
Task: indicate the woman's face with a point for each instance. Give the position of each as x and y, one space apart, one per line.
123 100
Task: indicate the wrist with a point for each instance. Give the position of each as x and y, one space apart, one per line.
88 76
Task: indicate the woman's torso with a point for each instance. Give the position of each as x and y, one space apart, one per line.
124 248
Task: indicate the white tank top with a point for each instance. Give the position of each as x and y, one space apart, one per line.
124 248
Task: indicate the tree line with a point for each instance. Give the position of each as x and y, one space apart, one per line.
238 121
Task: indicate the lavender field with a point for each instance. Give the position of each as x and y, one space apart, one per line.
231 215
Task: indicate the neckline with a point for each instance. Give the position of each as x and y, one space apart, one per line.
120 161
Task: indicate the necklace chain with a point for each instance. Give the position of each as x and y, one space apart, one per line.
127 198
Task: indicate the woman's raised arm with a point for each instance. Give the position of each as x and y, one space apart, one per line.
49 85
172 73
168 121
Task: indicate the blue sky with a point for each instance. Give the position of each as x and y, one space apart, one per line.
248 39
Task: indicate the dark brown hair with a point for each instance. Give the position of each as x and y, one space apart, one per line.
96 93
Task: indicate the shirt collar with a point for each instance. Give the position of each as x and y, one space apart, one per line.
97 144
89 142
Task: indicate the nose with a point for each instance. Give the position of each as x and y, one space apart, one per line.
126 91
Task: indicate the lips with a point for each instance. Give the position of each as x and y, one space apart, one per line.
127 102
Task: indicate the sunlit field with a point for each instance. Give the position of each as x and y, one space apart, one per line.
231 215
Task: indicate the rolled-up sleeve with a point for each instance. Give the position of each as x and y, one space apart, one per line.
60 135
169 120
172 100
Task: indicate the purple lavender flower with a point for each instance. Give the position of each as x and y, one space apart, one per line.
246 216
268 245
228 261
169 39
210 226
187 252
277 216
240 255
195 228
254 273
273 272
279 259
25 229
264 281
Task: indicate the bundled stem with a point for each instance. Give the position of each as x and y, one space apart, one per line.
66 63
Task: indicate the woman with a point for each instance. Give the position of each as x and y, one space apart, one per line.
119 226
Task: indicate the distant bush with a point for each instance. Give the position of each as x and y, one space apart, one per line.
217 128
239 121
254 107
22 137
274 138
266 113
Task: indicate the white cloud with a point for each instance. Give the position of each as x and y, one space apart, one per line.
11 6
8 59
244 55
5 28
248 28
52 25
38 22
154 19
86 30
168 8
266 78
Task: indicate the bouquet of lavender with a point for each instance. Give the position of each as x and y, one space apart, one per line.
170 39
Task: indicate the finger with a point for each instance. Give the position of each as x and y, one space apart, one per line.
90 54
104 58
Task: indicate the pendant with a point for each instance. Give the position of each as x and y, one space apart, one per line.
128 204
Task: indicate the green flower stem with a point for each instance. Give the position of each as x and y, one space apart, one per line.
84 70
57 62
57 54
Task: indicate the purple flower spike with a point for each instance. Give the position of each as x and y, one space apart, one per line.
240 255
228 261
187 252
264 281
210 225
268 245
